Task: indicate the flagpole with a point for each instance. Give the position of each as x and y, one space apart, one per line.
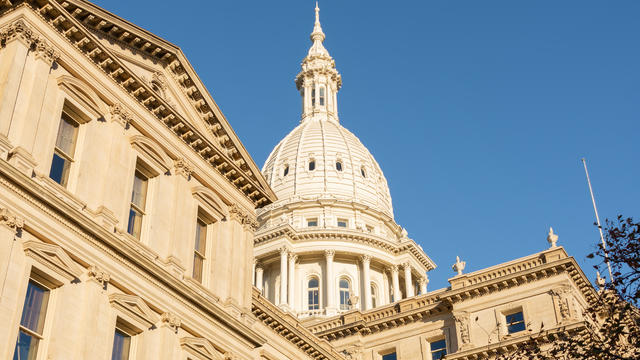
595 209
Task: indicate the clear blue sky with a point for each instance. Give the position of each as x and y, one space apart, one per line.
477 111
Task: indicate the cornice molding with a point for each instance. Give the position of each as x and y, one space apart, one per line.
276 233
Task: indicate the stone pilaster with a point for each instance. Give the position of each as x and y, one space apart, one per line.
291 280
395 282
259 276
283 276
330 283
408 281
365 260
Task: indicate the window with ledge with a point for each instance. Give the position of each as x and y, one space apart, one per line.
64 150
312 222
121 345
313 289
199 249
138 203
321 100
343 223
374 295
438 349
32 322
345 289
515 322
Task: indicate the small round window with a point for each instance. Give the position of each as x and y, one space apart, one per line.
312 165
363 172
339 165
286 170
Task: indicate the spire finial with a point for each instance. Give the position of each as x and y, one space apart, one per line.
317 34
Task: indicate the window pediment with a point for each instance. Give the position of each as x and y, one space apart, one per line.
152 153
134 309
201 348
210 201
53 257
81 92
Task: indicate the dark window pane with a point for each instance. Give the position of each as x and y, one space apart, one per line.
139 193
59 169
197 267
339 166
26 347
135 223
515 322
391 356
286 170
312 165
35 305
313 283
66 140
121 344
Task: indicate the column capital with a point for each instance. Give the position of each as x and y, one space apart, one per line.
423 280
365 259
18 30
293 257
45 52
329 253
406 265
392 268
259 267
284 250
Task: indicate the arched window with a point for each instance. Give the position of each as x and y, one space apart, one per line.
374 295
312 165
339 165
321 96
286 170
313 289
344 293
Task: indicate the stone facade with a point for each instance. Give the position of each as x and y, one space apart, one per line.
126 198
133 221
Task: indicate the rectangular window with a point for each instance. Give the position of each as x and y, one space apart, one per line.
121 346
343 223
138 202
390 356
313 97
515 322
199 250
312 222
32 321
321 96
64 150
438 349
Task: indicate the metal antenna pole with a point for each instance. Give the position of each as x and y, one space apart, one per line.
595 209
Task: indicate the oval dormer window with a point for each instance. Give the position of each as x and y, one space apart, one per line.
339 165
312 165
286 170
363 172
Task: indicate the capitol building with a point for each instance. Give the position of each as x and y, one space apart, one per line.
134 224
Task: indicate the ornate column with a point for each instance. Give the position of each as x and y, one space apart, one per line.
292 265
259 273
424 281
283 275
408 282
366 285
253 272
330 282
395 282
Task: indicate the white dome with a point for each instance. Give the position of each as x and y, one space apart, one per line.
330 146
